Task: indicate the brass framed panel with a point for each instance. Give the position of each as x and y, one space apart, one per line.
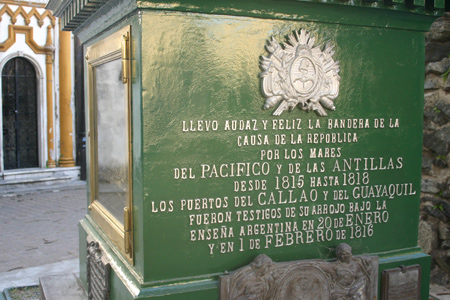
401 283
111 189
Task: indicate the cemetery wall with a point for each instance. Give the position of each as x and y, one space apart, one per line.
434 226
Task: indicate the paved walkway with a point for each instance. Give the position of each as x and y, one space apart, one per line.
30 276
439 292
39 227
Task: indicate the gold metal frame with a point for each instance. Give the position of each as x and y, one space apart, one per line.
113 47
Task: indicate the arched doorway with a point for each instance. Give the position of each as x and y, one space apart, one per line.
19 102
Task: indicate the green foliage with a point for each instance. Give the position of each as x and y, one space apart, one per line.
439 206
24 293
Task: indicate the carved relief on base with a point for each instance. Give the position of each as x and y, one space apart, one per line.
98 272
345 278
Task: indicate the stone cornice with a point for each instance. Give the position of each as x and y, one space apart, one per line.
74 13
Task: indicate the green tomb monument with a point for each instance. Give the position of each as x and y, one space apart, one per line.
235 146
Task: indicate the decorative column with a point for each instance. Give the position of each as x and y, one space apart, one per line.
65 97
49 73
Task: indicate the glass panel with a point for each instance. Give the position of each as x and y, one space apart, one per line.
112 137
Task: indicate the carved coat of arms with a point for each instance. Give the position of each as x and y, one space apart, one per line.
299 73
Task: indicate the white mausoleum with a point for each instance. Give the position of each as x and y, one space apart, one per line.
37 112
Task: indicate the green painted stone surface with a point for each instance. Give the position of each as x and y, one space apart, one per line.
205 69
196 75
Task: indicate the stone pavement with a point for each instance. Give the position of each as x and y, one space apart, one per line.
39 228
439 292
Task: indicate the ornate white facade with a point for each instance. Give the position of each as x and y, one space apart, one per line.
30 36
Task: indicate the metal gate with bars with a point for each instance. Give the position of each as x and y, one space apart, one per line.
19 103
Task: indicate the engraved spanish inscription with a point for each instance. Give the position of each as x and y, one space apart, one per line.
299 183
293 181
